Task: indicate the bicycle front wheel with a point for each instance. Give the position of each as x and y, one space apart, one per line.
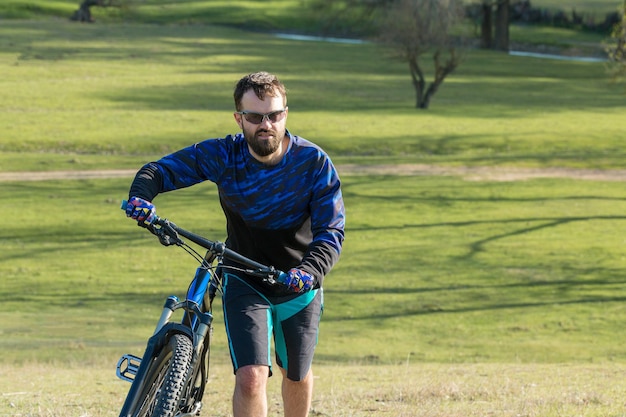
165 381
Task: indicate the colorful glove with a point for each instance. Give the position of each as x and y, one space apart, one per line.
141 210
297 280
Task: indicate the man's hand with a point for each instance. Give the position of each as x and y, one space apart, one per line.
297 280
141 210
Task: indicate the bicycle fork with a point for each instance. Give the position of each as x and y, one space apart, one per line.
134 369
129 365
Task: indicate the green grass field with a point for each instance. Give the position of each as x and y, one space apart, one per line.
454 296
527 271
83 96
260 14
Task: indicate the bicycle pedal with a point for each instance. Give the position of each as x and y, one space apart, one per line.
127 367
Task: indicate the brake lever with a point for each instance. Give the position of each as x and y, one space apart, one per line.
167 235
270 281
268 277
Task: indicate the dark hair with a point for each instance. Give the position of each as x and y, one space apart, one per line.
263 83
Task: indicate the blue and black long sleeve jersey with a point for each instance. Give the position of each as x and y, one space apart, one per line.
289 215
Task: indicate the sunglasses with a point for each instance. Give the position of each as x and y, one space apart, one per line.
258 118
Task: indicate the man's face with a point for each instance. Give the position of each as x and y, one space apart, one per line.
263 138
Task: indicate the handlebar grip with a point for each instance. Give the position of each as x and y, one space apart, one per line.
124 204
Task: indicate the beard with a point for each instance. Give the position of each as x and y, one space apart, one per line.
264 147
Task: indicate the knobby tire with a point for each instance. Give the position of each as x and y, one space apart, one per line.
161 396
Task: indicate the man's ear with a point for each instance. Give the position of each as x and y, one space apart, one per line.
237 117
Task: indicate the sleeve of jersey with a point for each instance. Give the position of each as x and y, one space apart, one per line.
327 224
181 169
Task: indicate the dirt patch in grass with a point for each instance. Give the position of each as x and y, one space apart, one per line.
485 173
467 173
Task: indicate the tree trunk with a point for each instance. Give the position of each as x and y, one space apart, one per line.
83 14
502 26
442 70
423 95
417 76
485 26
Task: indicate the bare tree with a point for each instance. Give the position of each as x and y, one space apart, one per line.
414 28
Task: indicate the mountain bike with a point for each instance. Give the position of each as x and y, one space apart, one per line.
170 378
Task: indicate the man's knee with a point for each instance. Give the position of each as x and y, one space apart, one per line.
250 379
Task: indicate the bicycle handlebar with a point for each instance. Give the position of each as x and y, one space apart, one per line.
168 234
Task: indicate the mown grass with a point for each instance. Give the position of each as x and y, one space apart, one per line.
408 390
259 14
595 8
81 96
435 269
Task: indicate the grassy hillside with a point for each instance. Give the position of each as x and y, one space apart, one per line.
268 14
109 95
250 14
485 271
435 269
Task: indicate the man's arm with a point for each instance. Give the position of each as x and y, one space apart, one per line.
147 183
327 224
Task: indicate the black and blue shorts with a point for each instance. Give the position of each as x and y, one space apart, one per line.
252 318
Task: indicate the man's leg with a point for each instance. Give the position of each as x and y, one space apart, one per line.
297 395
250 397
246 318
